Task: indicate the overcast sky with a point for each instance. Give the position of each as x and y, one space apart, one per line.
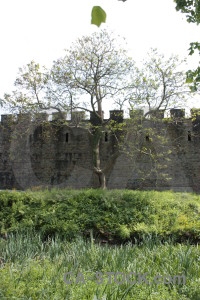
40 30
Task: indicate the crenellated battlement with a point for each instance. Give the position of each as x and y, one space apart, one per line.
116 115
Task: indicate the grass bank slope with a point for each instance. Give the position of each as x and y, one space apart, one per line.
113 215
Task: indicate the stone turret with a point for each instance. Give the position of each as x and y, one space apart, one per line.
26 117
7 119
195 115
94 119
41 117
177 113
117 115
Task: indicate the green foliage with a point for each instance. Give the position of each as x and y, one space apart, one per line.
124 232
193 76
191 8
98 16
33 269
115 216
44 242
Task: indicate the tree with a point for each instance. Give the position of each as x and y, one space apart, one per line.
93 69
96 68
161 85
34 91
93 72
192 10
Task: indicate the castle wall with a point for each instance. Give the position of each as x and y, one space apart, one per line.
40 153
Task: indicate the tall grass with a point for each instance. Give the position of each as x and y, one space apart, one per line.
34 269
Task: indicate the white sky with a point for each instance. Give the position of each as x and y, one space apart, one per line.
40 29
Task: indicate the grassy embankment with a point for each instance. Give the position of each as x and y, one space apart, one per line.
45 239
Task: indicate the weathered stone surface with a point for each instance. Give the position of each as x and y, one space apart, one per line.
44 154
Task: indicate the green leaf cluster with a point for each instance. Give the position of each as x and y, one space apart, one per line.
191 8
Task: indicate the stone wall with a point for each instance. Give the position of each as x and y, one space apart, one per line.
160 153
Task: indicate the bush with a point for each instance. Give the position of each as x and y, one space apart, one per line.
116 216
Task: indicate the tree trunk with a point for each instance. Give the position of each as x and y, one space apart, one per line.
96 158
102 181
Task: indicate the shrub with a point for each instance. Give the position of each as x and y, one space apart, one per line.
112 215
